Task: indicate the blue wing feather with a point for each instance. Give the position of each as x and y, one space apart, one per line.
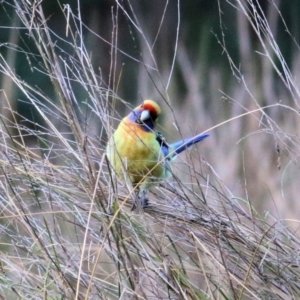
182 145
178 147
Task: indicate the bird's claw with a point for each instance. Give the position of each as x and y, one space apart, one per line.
141 200
144 202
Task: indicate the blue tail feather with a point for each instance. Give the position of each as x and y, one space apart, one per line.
182 145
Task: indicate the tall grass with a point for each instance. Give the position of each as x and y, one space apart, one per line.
68 231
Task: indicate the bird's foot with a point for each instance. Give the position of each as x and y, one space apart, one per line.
141 200
144 201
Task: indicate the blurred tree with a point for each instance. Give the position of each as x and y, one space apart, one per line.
158 22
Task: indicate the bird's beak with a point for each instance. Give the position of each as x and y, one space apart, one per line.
145 115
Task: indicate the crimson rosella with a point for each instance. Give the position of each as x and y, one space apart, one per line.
139 153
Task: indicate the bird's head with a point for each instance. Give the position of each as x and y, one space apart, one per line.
145 114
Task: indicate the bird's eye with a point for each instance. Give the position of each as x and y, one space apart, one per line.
142 105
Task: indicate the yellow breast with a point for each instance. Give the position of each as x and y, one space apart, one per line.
137 153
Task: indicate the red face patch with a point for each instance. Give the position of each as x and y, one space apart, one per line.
152 107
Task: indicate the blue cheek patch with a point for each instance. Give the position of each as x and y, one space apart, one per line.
147 125
134 116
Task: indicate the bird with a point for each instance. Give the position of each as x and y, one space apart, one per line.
141 155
